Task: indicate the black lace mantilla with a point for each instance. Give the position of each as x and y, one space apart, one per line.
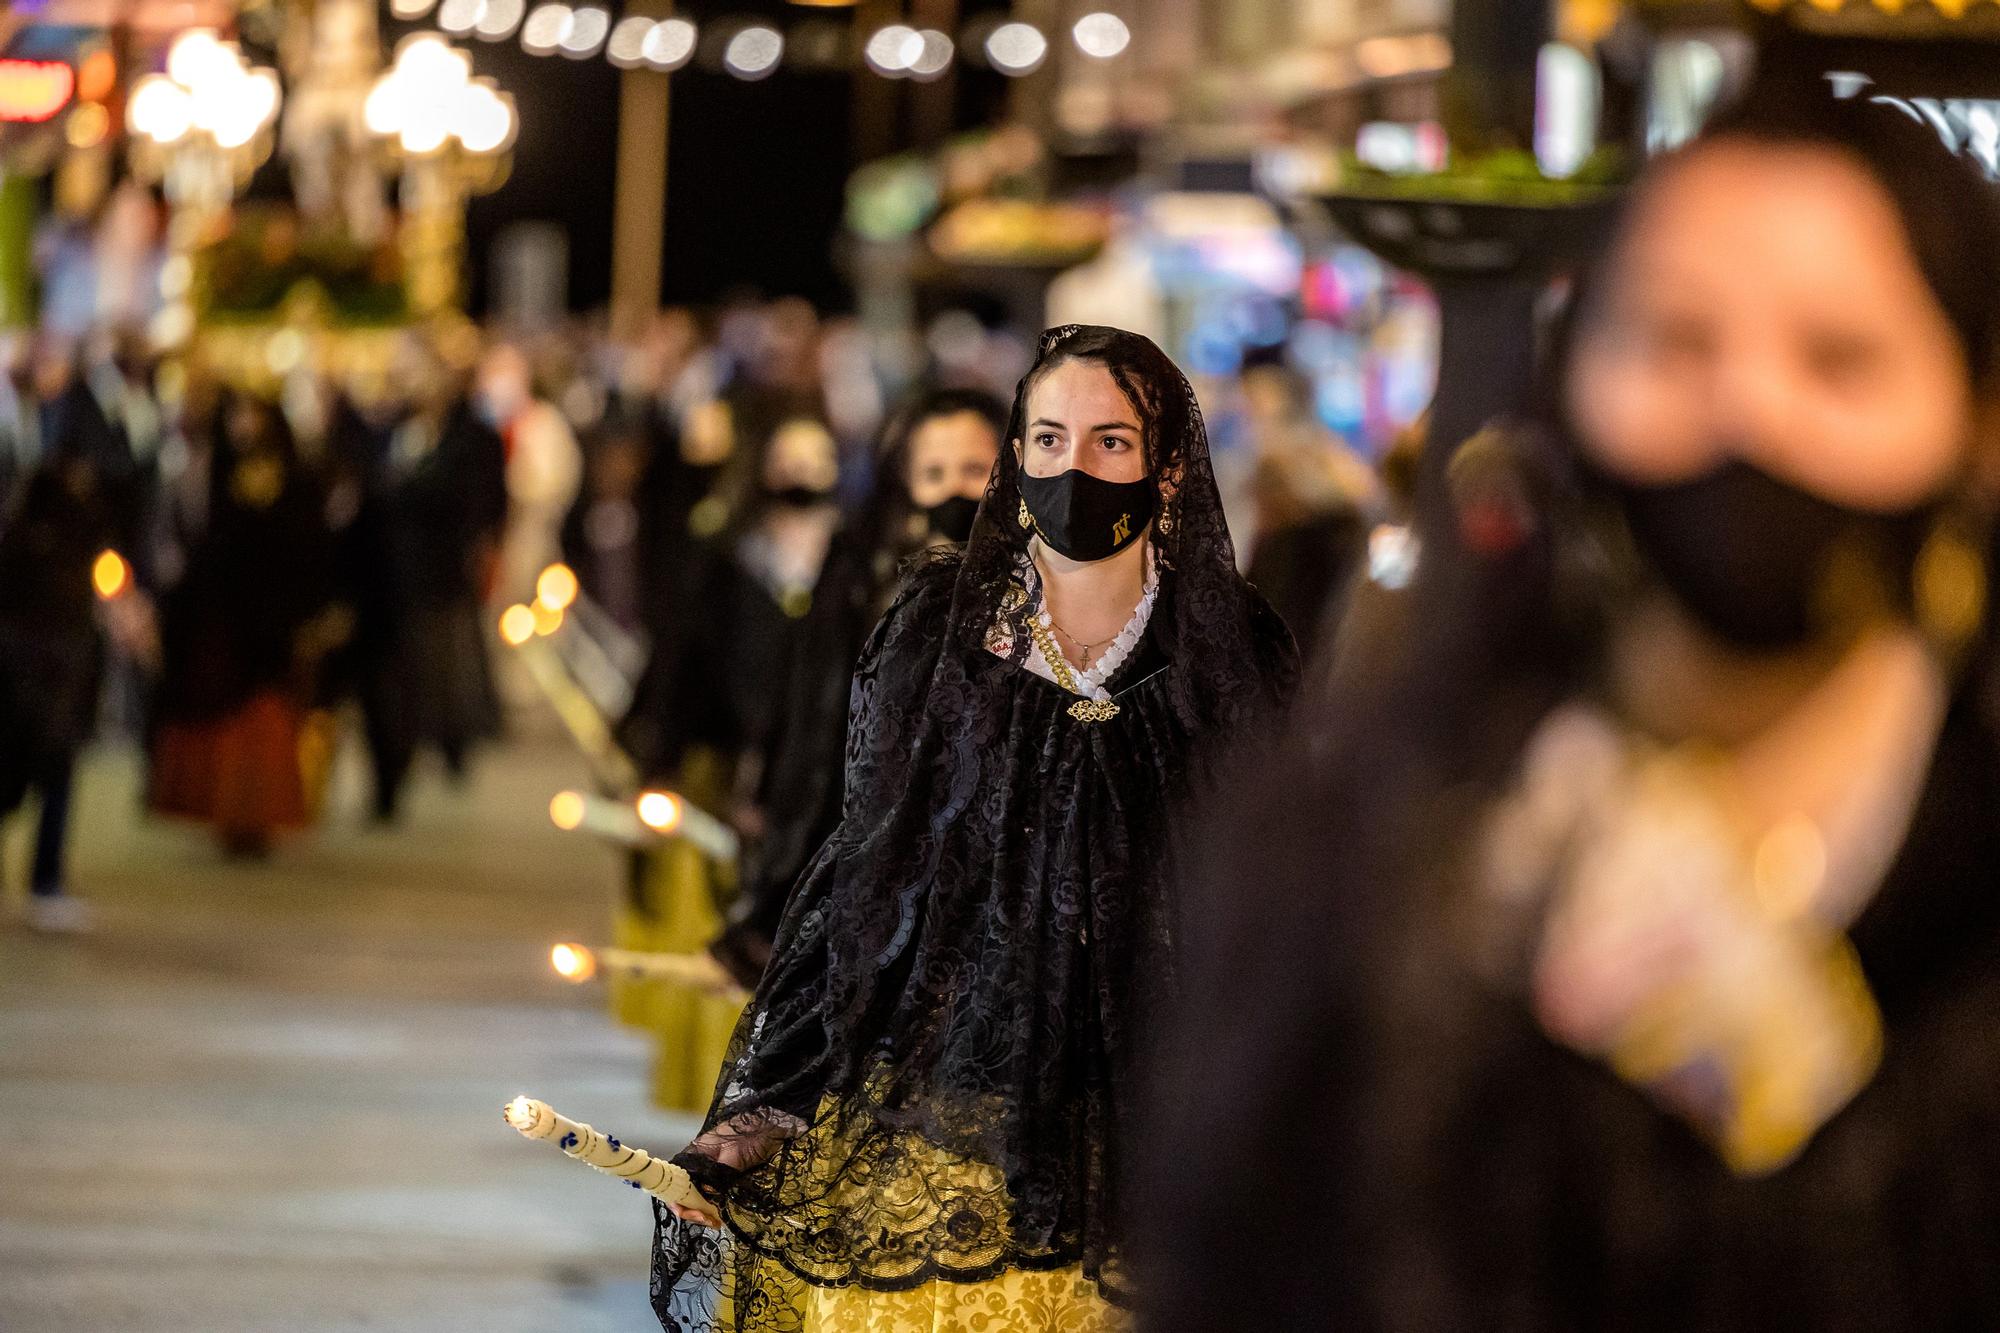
938 1065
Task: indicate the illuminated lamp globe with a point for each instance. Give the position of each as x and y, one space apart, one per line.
159 109
485 120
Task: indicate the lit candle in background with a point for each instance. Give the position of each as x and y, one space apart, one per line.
110 575
700 971
675 816
652 818
636 1167
616 820
556 588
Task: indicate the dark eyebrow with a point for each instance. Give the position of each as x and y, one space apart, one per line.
1100 429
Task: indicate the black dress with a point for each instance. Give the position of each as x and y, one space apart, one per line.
946 1036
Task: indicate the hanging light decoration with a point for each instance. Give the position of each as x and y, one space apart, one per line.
892 50
1101 35
498 19
627 47
754 52
588 27
546 26
933 55
669 45
1017 49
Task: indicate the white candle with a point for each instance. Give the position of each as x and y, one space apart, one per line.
635 1166
574 962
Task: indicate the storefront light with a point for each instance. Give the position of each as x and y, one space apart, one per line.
1016 49
1101 35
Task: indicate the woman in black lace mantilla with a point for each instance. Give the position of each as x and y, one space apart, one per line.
920 1115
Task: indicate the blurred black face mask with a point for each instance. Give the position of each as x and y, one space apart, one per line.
952 518
1758 561
1086 517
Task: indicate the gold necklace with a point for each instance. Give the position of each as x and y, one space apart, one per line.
1088 648
1085 709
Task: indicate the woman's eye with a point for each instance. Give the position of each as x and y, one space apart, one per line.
1113 444
1046 440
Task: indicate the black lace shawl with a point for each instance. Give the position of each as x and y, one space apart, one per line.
945 1036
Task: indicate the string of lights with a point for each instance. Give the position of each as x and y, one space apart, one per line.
750 49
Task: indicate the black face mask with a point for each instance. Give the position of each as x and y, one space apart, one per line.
1085 517
952 518
798 497
1757 562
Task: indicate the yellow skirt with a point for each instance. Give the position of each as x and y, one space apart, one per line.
1063 1301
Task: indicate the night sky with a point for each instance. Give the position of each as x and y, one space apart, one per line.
755 178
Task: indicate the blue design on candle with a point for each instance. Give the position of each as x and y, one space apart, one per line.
633 1183
568 1141
612 1140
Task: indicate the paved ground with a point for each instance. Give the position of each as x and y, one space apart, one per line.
267 1097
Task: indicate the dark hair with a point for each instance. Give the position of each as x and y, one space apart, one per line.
887 509
1102 346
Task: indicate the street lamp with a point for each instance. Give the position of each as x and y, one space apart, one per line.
451 132
200 129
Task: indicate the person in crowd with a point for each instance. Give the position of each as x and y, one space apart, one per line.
1616 946
930 475
242 632
72 502
1312 534
436 511
544 469
601 535
714 679
921 1120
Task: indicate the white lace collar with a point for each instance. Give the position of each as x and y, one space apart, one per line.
1091 683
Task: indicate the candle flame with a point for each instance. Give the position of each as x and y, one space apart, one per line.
547 619
517 625
660 811
566 810
110 575
520 1113
573 962
556 588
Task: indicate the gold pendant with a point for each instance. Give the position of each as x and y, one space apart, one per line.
1093 710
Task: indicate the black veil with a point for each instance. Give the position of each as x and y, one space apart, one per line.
939 1064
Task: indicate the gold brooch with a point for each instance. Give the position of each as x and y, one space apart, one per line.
1093 710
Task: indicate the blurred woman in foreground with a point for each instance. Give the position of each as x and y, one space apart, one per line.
1621 948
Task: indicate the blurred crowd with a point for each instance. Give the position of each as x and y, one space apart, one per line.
229 576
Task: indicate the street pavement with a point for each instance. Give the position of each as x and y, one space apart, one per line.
267 1096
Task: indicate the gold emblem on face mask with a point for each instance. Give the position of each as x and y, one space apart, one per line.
1122 529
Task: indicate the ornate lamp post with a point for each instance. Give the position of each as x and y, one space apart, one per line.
200 129
451 133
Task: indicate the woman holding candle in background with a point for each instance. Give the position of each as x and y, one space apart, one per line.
921 1113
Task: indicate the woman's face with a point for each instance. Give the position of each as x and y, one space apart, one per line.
951 456
1079 418
1764 306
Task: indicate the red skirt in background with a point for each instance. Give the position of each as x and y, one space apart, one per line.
241 773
